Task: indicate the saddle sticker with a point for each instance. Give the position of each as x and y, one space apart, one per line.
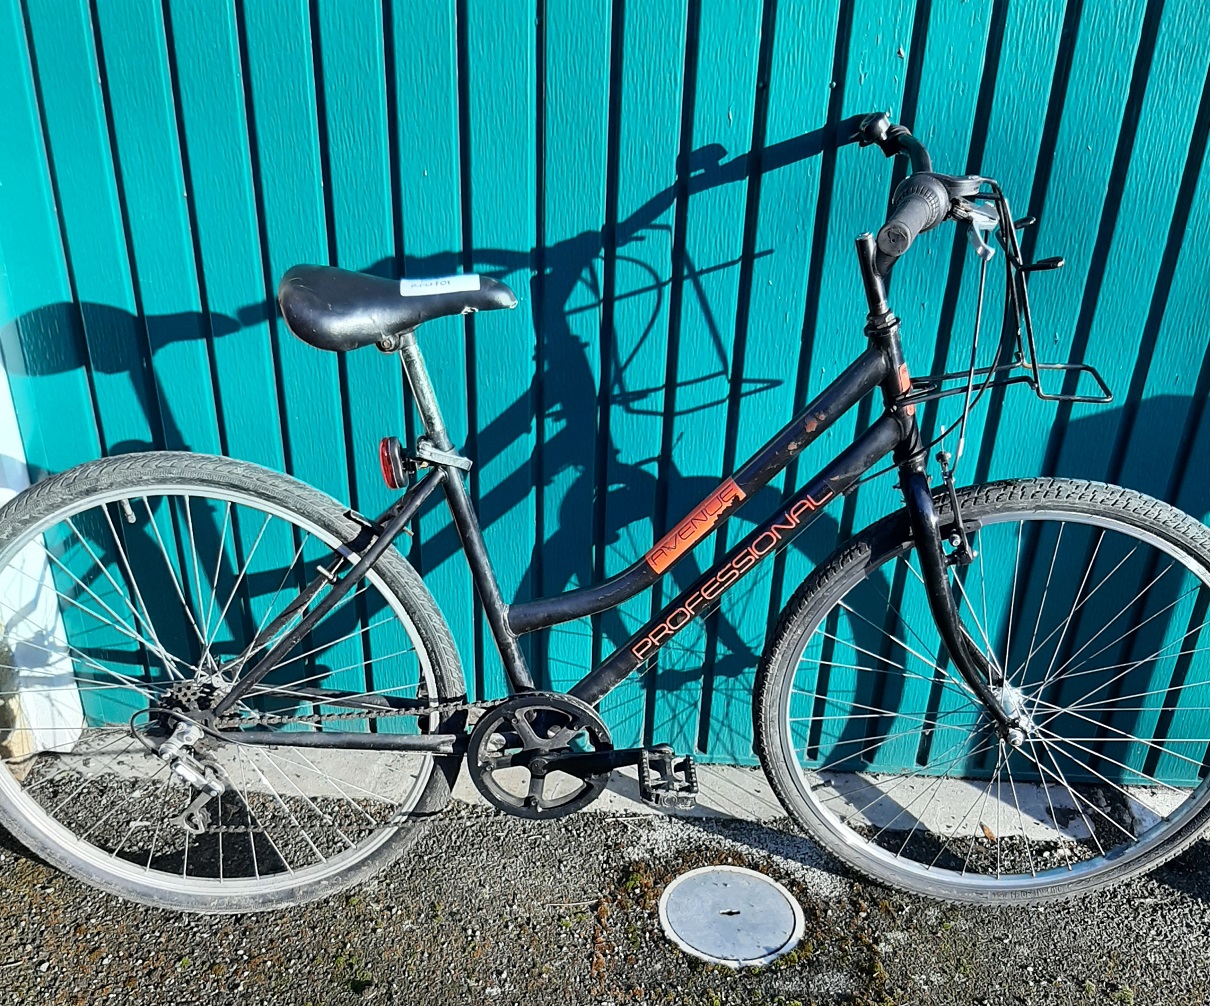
438 284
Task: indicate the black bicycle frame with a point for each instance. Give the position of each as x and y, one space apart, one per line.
894 432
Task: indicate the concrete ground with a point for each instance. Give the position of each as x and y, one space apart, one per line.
491 909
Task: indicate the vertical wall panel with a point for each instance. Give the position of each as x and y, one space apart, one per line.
1012 135
1170 392
81 162
573 176
652 81
502 120
1069 215
702 334
289 183
669 190
800 67
354 124
154 197
1143 217
425 48
942 112
874 79
40 328
212 101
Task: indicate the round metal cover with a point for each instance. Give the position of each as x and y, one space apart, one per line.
732 916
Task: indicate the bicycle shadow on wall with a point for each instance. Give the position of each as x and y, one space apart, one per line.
571 401
572 278
570 392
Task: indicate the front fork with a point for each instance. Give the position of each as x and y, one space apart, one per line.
983 677
882 329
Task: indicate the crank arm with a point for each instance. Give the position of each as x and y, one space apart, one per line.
586 763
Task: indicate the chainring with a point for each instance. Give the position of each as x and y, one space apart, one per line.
509 743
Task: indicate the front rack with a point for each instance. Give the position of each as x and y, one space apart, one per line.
929 389
1023 367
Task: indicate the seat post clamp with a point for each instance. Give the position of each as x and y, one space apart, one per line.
425 451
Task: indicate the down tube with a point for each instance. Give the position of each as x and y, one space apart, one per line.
793 515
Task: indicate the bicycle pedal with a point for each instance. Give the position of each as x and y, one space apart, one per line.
667 780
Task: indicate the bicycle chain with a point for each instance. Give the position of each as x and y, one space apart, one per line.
272 720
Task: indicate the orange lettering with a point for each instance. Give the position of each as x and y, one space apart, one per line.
693 527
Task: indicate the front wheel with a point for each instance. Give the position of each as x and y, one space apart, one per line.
1091 605
133 592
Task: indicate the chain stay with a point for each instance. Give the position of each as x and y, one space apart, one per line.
269 719
232 722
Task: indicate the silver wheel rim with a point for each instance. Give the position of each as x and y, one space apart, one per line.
110 864
818 790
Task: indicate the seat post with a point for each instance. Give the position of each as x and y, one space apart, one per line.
422 391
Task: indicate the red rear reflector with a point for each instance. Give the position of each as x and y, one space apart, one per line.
392 473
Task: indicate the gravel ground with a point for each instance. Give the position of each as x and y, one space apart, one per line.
490 909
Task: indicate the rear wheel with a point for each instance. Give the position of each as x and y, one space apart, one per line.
142 581
1092 605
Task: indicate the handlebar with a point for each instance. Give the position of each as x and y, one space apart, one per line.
878 130
921 201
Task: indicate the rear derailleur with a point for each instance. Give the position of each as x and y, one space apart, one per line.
184 707
546 755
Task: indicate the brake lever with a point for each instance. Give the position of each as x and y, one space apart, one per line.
978 219
985 251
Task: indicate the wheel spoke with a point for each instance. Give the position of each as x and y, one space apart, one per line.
1088 597
877 743
253 648
1012 595
1134 628
1071 614
117 623
1020 816
139 609
1042 604
155 530
1127 669
982 807
988 649
1136 663
1058 711
235 588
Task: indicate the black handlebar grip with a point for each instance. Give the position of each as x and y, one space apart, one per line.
921 202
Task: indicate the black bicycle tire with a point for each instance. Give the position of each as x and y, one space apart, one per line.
133 471
891 536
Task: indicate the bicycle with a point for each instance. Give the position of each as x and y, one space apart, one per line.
226 692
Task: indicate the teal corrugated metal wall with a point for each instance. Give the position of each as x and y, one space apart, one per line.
661 184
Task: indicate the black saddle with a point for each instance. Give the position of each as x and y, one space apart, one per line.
339 310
